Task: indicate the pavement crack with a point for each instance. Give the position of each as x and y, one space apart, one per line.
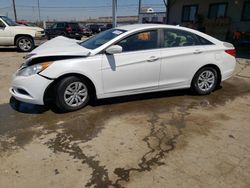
243 66
158 149
159 142
62 143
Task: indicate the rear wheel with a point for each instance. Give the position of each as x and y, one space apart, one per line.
205 81
72 93
48 36
25 44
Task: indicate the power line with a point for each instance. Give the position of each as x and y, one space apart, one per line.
86 10
5 8
88 7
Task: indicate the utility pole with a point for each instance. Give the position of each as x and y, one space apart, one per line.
38 5
166 2
114 7
14 9
139 10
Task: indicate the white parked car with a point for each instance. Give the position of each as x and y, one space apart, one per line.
122 61
25 38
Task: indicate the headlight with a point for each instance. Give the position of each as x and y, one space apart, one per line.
34 69
39 33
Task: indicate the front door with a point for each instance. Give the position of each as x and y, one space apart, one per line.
136 69
5 35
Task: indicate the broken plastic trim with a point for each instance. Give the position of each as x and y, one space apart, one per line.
49 58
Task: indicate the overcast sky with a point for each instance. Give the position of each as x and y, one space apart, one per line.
73 9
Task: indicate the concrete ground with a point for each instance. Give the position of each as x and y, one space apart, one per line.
167 139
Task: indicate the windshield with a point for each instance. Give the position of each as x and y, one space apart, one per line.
101 38
9 21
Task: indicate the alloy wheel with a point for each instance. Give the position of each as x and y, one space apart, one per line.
25 44
75 94
206 80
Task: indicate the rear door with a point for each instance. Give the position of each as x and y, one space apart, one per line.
182 55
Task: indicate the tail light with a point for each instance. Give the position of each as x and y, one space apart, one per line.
231 52
68 29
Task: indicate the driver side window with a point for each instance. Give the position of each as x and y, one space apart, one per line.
53 26
2 25
140 41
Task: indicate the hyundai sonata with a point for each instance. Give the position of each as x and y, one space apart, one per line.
122 61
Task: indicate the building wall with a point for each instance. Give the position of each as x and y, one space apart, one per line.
150 17
234 11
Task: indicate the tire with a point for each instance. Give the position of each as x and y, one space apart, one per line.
25 44
78 38
72 93
204 81
63 34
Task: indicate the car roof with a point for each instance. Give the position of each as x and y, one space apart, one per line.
138 27
143 26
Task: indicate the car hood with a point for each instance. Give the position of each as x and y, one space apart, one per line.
23 27
59 46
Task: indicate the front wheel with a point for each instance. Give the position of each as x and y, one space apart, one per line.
205 81
72 93
25 44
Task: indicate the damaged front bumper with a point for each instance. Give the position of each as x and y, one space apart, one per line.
30 89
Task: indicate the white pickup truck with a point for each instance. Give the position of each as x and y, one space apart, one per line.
25 38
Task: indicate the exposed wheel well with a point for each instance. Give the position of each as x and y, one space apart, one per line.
50 91
21 35
217 70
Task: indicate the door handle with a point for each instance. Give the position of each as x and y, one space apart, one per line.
197 52
152 59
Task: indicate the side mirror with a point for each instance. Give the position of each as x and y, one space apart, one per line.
115 49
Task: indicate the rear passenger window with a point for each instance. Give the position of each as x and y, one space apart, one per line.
203 41
179 38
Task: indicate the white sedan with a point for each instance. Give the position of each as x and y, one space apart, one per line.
122 61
